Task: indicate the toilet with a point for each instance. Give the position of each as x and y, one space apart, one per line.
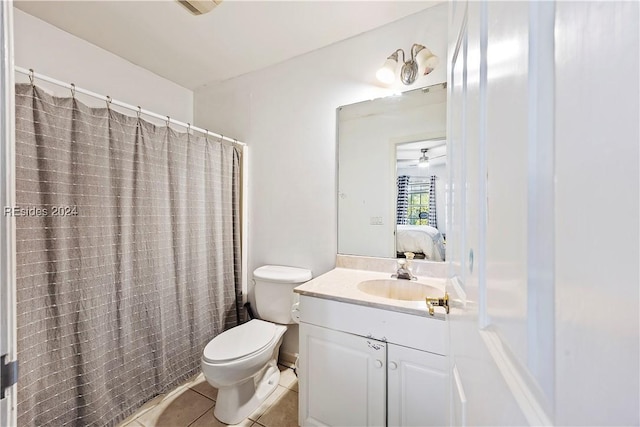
242 361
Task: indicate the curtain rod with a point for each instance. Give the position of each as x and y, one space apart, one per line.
32 75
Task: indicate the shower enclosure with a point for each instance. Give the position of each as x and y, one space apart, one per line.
128 239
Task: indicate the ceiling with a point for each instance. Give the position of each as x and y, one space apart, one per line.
237 37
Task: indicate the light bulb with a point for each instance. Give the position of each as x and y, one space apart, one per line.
387 73
422 55
427 61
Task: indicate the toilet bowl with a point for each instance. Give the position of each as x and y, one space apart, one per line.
242 364
242 361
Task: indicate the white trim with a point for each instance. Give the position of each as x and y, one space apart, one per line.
518 385
458 288
8 342
244 226
461 397
483 197
541 197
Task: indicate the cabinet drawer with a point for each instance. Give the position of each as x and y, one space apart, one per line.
422 333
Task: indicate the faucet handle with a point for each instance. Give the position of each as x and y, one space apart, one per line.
438 302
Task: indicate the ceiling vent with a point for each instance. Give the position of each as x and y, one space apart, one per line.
199 7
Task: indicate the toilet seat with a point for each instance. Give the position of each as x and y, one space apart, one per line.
239 342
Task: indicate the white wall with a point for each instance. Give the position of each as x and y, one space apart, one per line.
55 53
287 115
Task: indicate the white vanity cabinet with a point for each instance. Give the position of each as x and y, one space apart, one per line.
364 366
346 386
417 384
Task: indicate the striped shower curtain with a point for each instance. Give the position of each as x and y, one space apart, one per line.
128 250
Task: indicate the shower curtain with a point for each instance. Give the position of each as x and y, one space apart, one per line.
128 251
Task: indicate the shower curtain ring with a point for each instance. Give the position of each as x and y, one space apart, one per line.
73 90
206 134
188 127
109 101
221 138
139 112
168 121
31 76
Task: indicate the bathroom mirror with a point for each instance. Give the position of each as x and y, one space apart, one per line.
387 202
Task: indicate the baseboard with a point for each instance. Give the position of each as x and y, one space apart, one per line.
288 359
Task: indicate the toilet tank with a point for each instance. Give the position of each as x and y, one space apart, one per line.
274 291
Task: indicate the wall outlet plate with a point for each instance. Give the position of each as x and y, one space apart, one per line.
375 220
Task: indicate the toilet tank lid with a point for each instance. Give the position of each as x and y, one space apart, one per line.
281 273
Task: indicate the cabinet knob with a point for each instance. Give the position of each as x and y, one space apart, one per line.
378 363
393 365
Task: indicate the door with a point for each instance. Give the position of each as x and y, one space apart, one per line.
501 212
546 155
7 231
347 385
417 387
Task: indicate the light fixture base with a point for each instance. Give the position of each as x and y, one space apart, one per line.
409 72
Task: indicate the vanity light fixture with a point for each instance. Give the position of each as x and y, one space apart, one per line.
423 162
422 61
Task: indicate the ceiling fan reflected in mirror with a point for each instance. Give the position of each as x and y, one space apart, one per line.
423 162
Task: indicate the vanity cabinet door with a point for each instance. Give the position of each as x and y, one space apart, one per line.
417 387
342 378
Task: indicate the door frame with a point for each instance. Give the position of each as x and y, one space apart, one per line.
8 344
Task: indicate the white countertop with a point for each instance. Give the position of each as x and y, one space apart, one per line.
341 284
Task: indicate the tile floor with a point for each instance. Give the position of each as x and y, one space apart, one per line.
191 405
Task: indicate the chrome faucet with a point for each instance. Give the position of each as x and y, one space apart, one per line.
404 268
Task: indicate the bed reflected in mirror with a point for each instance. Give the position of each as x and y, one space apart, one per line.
421 169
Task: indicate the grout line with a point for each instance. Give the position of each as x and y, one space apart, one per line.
203 414
202 394
196 420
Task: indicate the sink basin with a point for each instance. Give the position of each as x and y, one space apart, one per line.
405 290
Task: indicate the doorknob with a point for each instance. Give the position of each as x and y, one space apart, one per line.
438 302
393 365
378 363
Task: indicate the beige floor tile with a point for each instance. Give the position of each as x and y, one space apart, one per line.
132 424
283 412
288 378
201 385
209 420
279 391
178 409
144 408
